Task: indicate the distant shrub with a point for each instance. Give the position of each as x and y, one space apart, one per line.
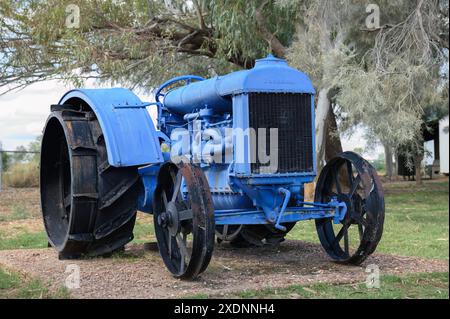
23 175
379 164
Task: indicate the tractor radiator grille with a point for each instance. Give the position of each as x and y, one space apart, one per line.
291 114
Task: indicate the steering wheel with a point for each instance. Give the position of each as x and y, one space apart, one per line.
187 78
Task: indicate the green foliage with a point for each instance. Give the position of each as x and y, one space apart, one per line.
379 164
387 80
6 160
135 43
35 146
22 169
392 106
23 159
20 156
238 32
359 150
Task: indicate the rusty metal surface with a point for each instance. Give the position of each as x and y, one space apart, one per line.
86 210
197 232
364 196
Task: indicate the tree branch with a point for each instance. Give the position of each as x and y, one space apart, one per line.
201 20
275 45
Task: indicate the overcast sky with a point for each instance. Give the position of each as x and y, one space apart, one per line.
23 115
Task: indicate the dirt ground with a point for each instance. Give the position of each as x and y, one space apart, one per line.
20 199
140 273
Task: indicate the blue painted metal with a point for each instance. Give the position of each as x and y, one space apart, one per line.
287 197
241 122
333 209
220 103
149 178
186 78
128 129
269 75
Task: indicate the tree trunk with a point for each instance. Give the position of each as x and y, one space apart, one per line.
333 144
388 161
396 162
418 157
322 110
328 142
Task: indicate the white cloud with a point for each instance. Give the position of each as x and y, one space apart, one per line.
23 113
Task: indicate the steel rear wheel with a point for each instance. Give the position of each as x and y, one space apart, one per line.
184 220
351 179
89 208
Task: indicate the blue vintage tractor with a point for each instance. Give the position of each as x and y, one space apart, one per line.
103 160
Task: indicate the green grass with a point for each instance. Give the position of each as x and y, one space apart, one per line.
143 230
13 285
198 296
432 285
416 222
23 240
17 212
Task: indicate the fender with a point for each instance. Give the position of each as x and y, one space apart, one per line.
130 136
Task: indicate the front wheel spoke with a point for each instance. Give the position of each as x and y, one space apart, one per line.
182 264
363 207
355 185
341 233
164 196
361 231
346 249
185 214
350 172
67 201
170 245
177 185
360 220
225 232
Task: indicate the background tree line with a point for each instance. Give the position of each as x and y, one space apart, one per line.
20 168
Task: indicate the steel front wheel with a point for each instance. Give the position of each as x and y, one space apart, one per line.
184 220
351 179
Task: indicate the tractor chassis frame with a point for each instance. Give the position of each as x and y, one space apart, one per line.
308 210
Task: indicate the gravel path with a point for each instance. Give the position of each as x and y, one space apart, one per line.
141 274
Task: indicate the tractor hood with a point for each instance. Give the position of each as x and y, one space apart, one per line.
268 75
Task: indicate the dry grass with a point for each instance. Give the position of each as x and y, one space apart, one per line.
23 175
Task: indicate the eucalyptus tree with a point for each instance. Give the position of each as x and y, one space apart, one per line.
402 81
322 46
136 43
386 76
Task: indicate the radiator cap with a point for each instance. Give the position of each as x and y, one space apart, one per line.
269 60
